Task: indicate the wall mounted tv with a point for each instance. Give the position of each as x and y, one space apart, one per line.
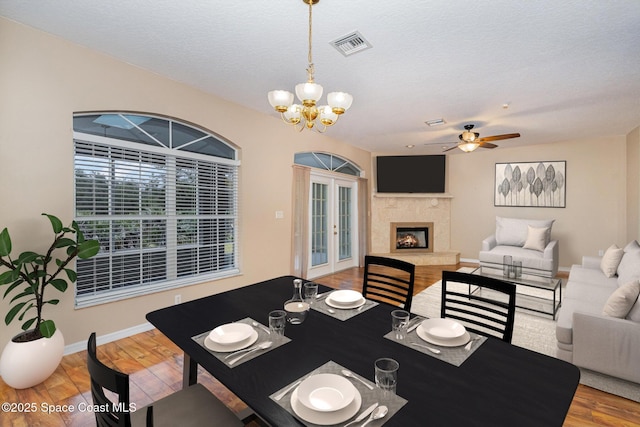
410 174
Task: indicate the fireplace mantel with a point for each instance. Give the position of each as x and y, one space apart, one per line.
415 195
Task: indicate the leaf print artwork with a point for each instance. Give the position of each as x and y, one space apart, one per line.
530 184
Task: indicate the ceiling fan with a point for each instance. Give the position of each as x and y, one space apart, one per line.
469 140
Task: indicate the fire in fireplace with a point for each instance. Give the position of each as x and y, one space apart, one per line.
411 237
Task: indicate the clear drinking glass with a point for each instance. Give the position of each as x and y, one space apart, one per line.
399 322
386 375
277 321
507 260
517 269
310 292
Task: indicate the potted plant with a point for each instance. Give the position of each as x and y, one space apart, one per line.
26 279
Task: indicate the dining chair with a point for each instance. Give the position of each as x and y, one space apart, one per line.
192 406
484 305
389 280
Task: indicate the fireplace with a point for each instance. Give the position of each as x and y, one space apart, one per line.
409 237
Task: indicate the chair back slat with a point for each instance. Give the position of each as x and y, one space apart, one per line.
483 305
111 414
389 280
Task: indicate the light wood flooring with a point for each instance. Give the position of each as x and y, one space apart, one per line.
155 366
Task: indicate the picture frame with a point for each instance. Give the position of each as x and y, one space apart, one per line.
531 184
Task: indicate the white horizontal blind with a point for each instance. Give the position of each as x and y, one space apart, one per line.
162 220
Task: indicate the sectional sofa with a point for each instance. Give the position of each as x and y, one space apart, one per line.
598 324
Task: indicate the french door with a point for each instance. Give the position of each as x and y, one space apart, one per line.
333 225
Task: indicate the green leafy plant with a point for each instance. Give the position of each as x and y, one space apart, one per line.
38 271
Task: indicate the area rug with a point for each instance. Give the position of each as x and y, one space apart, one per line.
533 332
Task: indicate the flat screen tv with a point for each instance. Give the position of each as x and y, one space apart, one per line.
410 174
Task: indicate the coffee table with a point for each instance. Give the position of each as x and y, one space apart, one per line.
533 293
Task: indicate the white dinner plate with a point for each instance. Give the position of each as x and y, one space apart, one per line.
221 348
325 418
345 297
357 304
231 333
443 329
456 342
326 392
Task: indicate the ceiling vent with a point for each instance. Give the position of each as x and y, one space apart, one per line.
351 43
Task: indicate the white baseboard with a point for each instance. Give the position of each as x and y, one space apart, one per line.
103 339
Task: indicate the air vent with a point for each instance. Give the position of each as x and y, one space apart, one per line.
351 43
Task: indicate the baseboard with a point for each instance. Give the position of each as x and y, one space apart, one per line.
103 339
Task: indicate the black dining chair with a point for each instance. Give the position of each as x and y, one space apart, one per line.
192 406
389 280
484 305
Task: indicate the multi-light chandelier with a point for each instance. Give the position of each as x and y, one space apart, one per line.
308 115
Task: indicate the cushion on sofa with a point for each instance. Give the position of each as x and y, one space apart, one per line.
632 246
514 231
592 276
610 260
629 267
634 313
564 320
536 238
622 300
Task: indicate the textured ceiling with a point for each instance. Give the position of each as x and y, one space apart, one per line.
568 69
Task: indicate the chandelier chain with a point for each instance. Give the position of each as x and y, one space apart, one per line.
310 69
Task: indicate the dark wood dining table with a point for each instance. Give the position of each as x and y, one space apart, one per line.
498 385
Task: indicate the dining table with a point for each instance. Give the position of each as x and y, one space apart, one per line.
499 384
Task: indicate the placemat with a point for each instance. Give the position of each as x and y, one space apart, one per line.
263 336
453 355
338 313
369 397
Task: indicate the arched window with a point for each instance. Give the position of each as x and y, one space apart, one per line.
326 161
160 196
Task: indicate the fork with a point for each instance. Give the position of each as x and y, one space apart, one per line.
470 343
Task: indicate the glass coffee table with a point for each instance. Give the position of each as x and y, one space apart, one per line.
533 293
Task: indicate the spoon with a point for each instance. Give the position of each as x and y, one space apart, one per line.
330 310
380 412
350 374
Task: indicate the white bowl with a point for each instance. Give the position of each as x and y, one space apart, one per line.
443 329
345 297
231 333
326 392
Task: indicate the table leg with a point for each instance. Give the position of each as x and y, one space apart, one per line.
189 371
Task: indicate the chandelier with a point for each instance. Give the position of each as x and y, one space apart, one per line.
309 115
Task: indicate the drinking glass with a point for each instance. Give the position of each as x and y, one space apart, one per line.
399 322
507 260
517 269
386 375
277 321
310 292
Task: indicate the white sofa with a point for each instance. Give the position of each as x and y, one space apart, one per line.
526 240
589 338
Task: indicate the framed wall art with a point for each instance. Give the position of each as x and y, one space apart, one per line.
531 184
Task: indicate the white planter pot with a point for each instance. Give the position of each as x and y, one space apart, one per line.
25 364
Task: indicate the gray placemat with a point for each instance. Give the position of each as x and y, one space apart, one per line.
338 313
453 355
263 336
369 397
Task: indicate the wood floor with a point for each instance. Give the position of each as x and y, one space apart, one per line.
155 366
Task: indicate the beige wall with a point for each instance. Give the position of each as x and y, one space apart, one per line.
44 80
633 184
595 213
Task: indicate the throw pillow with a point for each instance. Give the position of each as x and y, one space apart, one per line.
611 260
629 267
634 313
632 246
622 300
536 239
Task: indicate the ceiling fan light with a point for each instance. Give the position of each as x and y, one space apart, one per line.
468 147
281 100
308 93
339 101
469 136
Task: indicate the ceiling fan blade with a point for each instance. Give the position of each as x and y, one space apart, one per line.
499 137
487 145
450 148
